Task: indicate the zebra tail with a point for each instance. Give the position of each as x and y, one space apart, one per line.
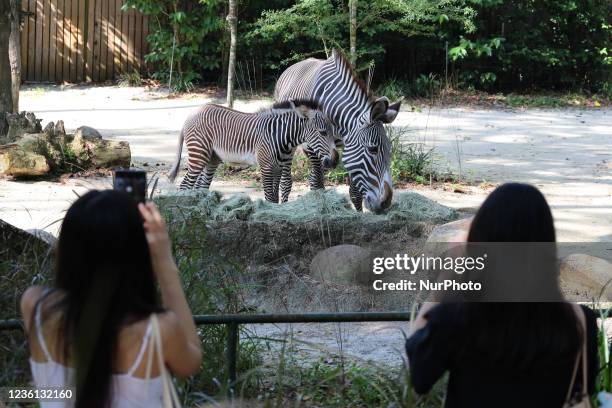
177 161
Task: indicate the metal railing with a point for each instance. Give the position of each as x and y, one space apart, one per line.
233 322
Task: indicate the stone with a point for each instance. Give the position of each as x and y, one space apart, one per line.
20 124
586 278
342 264
49 129
87 133
19 162
60 131
448 236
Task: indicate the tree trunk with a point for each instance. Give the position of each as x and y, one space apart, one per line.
231 66
15 52
6 97
353 32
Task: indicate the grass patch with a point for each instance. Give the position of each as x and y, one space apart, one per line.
129 79
411 162
457 98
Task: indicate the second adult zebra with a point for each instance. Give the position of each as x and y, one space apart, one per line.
216 134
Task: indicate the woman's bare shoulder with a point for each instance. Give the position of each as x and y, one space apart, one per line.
28 300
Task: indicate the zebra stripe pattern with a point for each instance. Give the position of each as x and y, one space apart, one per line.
358 120
216 134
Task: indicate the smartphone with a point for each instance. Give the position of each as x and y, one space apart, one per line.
131 181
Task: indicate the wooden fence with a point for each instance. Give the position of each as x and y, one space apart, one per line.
80 40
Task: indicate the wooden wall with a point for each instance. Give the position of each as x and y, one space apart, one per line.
81 40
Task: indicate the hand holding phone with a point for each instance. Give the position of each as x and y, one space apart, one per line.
133 182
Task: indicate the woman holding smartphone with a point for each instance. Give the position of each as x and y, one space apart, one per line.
92 329
540 353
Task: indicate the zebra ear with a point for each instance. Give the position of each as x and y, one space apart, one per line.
392 111
379 108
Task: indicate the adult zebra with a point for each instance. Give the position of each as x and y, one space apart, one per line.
215 134
358 120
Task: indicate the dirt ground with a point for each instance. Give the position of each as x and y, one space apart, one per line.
566 153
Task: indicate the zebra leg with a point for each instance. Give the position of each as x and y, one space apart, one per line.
315 178
285 182
199 154
190 179
270 177
356 196
206 176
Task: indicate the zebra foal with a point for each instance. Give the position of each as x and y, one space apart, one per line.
216 134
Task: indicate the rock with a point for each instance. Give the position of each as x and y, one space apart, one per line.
447 236
60 131
19 162
20 124
586 278
87 133
49 129
342 264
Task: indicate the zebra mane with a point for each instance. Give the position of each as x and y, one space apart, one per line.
281 106
345 63
297 102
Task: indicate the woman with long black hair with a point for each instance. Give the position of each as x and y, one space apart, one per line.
92 329
511 353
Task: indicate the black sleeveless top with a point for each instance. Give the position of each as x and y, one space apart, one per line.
474 381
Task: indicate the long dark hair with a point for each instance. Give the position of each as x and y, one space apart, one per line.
103 267
520 334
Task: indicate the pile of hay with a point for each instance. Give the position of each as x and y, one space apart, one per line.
313 206
256 232
270 247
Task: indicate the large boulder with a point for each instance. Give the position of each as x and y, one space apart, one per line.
342 264
586 278
447 236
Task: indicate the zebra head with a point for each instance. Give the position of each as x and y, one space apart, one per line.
367 155
319 133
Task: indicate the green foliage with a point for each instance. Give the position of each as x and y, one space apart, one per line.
185 37
23 262
128 79
319 25
427 85
394 88
409 161
524 45
493 45
336 381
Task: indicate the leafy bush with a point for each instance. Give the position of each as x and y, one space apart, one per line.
393 89
524 45
130 79
427 85
313 26
409 161
185 39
